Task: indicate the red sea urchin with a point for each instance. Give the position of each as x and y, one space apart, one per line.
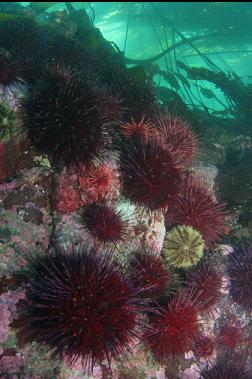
203 346
150 174
172 328
239 270
81 305
105 222
142 129
178 136
196 206
99 181
230 336
62 119
149 273
206 282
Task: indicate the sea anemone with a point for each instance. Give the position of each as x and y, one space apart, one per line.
62 119
172 328
206 282
183 247
81 305
178 136
149 273
203 346
105 222
149 173
225 368
239 270
196 206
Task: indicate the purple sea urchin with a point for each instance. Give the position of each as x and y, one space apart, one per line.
63 120
239 270
21 33
80 305
225 368
10 73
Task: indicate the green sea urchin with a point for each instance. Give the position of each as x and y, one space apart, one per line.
184 246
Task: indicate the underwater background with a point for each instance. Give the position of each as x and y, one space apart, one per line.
125 190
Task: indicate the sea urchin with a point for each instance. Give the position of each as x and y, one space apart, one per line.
226 367
196 206
239 270
80 305
172 328
203 346
63 119
178 137
105 222
183 246
10 72
149 273
206 282
150 175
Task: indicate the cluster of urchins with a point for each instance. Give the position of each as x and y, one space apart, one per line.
82 303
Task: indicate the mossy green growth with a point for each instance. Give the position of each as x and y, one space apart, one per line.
7 123
183 247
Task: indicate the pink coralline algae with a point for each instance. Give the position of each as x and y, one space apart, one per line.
11 364
67 197
75 189
5 317
11 299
